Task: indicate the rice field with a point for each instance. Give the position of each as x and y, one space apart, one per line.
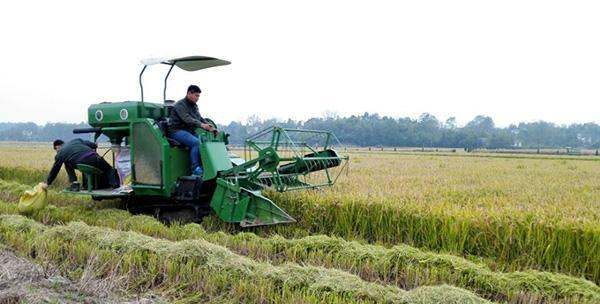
398 227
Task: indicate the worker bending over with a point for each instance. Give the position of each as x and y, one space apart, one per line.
78 151
183 122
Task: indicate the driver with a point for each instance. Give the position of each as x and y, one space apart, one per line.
184 119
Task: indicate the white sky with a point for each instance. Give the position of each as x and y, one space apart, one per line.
512 60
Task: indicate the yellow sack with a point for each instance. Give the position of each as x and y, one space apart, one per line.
33 200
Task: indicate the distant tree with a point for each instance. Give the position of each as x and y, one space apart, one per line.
374 130
451 123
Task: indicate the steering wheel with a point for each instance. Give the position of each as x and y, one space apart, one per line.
210 122
213 124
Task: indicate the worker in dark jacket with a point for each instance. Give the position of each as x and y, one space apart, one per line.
78 151
183 122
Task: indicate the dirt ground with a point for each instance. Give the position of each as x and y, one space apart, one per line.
22 281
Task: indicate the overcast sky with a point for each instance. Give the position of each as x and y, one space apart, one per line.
512 60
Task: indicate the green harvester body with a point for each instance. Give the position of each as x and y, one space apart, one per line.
161 180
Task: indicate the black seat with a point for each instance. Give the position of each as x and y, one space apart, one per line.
168 105
163 126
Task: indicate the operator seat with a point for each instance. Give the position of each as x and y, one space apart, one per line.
163 126
168 105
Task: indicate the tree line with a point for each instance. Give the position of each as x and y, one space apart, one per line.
374 130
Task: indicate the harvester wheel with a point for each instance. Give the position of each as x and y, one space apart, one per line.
184 215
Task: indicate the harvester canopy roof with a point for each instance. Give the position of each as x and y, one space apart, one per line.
189 63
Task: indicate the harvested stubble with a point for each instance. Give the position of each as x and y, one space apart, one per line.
403 265
197 267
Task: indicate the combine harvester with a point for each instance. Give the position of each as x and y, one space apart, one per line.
161 181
